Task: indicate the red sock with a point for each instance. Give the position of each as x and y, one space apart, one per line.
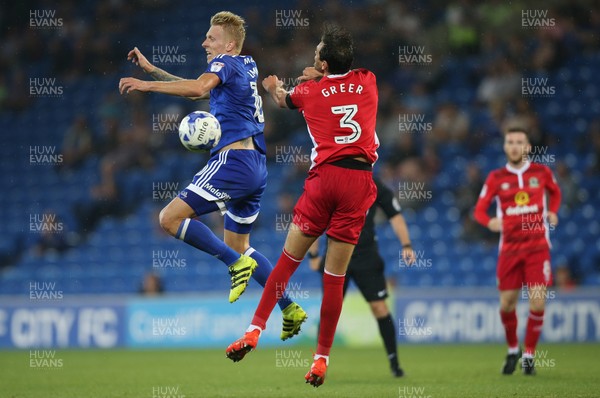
509 320
274 288
331 308
534 329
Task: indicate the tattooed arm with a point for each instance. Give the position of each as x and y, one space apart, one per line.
158 74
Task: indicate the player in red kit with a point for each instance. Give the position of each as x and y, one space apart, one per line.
340 111
527 199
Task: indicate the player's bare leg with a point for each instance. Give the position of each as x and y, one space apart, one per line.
537 303
238 242
508 315
173 214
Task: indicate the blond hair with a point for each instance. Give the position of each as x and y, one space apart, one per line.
233 25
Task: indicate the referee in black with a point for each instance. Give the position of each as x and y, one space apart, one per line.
366 267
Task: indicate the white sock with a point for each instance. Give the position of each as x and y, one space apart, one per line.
254 327
513 350
322 356
527 355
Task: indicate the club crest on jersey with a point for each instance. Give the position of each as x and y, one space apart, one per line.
504 186
521 198
216 66
534 182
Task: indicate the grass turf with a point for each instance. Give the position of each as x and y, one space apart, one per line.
432 371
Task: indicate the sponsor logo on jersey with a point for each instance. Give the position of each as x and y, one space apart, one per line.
504 186
534 182
521 198
520 210
216 66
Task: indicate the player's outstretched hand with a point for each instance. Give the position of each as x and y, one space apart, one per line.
140 60
128 84
310 73
495 224
271 82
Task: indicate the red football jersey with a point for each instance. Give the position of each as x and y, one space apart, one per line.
521 204
340 112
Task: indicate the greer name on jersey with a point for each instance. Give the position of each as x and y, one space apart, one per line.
340 112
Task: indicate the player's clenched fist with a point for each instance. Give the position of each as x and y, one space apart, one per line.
271 82
552 218
128 84
495 224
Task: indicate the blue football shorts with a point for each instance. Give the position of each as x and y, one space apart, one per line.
232 182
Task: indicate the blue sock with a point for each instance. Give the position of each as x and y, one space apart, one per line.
262 274
196 234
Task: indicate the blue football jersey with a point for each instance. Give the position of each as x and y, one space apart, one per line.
235 102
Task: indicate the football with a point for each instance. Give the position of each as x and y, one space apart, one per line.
199 131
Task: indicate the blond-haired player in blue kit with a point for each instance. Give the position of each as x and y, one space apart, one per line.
234 178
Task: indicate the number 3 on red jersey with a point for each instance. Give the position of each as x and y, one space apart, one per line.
346 121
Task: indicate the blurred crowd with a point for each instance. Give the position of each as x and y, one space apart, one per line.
91 43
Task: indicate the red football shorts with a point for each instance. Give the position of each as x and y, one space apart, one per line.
335 199
516 270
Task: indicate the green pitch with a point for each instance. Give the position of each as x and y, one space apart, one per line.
433 371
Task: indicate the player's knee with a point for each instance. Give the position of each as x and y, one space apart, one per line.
508 305
537 305
168 222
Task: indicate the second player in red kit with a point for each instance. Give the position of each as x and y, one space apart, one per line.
337 103
340 109
527 199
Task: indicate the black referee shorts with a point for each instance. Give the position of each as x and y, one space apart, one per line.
366 270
